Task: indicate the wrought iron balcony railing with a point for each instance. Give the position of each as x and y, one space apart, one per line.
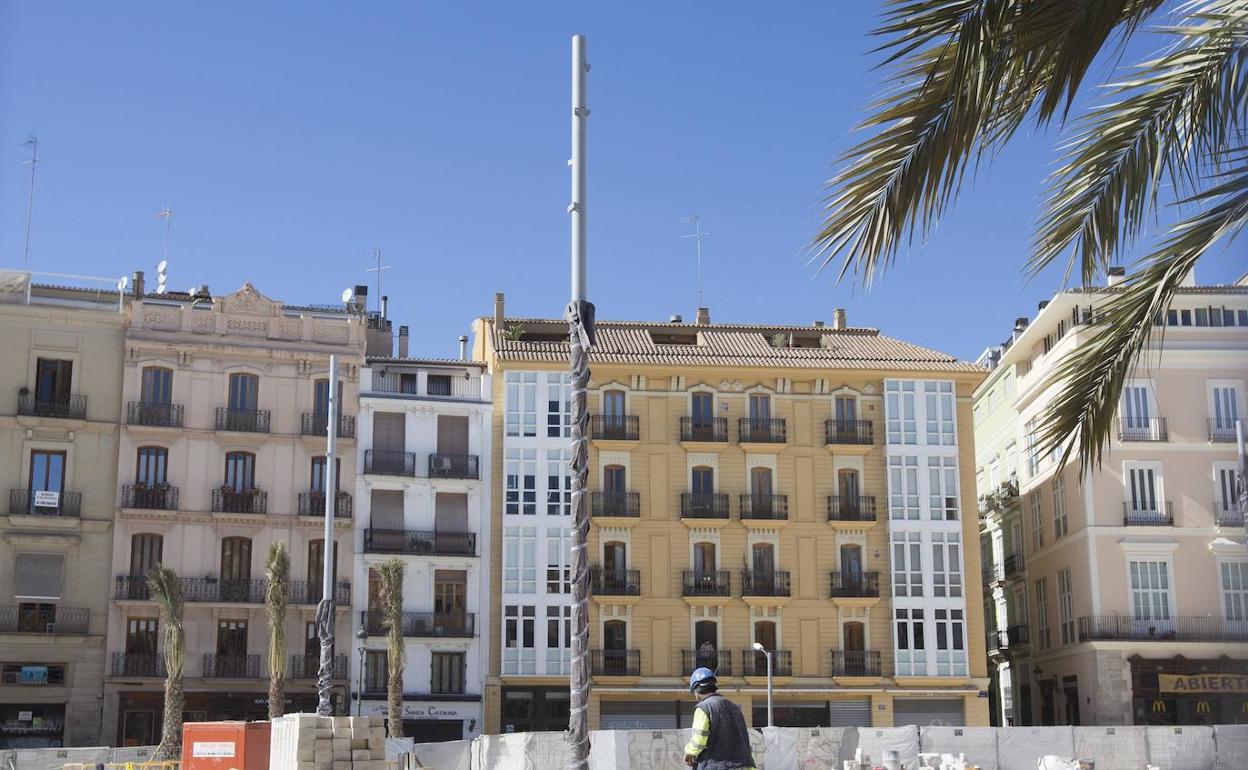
1228 516
39 619
706 582
138 665
314 424
1222 429
754 663
1138 514
703 505
389 462
73 407
856 663
313 504
719 661
454 466
243 420
765 582
219 666
855 584
1175 629
755 430
310 592
712 429
31 502
625 504
848 432
615 662
425 624
1012 566
309 666
1139 429
151 497
772 507
154 414
615 582
851 508
230 500
614 427
420 542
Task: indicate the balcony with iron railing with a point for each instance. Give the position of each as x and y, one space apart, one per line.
41 619
1142 429
454 466
314 424
615 504
389 462
309 667
1228 514
309 592
854 585
425 624
149 497
72 407
758 430
221 666
1015 636
227 499
614 427
703 505
243 420
706 582
32 502
1124 628
415 542
138 665
851 432
856 663
1222 429
764 507
851 508
765 582
615 662
1011 566
1141 514
614 582
154 415
230 591
407 383
313 504
704 429
718 661
754 663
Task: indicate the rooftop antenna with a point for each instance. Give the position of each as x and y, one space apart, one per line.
697 235
33 142
166 214
377 270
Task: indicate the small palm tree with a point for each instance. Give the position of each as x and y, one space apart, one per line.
166 591
966 74
391 575
276 597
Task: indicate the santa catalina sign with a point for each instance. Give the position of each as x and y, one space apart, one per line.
1203 683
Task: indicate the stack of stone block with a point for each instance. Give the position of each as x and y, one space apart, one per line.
310 742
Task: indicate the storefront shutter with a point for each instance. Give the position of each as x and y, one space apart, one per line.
928 712
851 713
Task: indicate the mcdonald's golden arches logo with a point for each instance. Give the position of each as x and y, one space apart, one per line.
1203 707
1159 706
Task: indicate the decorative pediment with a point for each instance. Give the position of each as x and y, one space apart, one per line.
249 301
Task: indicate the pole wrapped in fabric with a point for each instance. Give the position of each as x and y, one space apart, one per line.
580 315
325 607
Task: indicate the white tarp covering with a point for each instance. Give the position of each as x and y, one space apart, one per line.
1019 748
1231 742
1181 748
1114 748
397 746
978 744
877 742
521 751
447 755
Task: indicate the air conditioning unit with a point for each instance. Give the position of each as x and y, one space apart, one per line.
441 463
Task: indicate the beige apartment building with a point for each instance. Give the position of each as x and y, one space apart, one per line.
61 339
1121 597
222 453
805 488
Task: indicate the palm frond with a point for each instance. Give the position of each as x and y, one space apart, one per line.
276 600
1091 377
1179 107
165 588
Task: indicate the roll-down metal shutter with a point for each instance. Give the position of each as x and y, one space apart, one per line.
638 715
850 713
927 712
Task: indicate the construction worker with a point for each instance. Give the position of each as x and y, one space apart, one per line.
720 739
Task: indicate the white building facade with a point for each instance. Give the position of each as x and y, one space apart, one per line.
424 453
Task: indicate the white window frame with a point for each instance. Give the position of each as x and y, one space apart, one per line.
521 404
947 565
1233 584
951 658
559 654
1035 504
558 560
1149 579
901 399
940 413
1066 606
519 659
910 660
558 493
1158 491
1058 489
520 482
1224 501
1044 637
907 561
519 560
1213 407
558 391
904 495
942 483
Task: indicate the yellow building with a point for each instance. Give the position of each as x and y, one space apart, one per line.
749 484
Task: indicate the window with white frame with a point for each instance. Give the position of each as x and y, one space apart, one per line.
1234 576
1143 487
1037 520
1033 447
994 474
950 642
520 560
902 421
1065 606
558 560
558 640
903 487
911 645
1043 638
558 482
907 564
519 645
521 481
1011 462
1223 410
942 488
1058 487
939 414
1150 590
1225 500
521 408
558 405
946 564
1136 411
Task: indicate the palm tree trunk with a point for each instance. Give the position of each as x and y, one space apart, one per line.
171 727
166 590
276 597
391 574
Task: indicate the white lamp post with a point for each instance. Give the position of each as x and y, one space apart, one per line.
760 648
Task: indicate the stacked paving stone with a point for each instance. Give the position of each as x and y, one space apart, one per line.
310 742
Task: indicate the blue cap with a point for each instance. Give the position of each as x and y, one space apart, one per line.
699 676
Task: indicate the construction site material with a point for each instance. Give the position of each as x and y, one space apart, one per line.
311 742
225 745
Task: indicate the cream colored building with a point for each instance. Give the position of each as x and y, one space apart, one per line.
749 484
1106 588
222 454
58 439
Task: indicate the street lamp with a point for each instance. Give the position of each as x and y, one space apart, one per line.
758 646
361 637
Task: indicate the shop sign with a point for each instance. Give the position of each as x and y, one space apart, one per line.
46 499
1203 683
33 675
25 716
428 710
212 749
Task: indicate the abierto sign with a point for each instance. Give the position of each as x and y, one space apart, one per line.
1203 683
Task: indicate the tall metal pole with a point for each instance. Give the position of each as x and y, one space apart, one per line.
697 235
33 141
580 316
770 720
325 608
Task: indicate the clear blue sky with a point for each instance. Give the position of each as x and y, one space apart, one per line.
293 139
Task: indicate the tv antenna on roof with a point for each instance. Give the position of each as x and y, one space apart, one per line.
377 270
698 235
33 142
166 214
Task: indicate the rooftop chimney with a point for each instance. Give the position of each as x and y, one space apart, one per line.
675 319
385 306
1043 304
1114 275
403 342
1020 326
138 283
704 316
361 297
498 310
818 324
463 347
838 319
